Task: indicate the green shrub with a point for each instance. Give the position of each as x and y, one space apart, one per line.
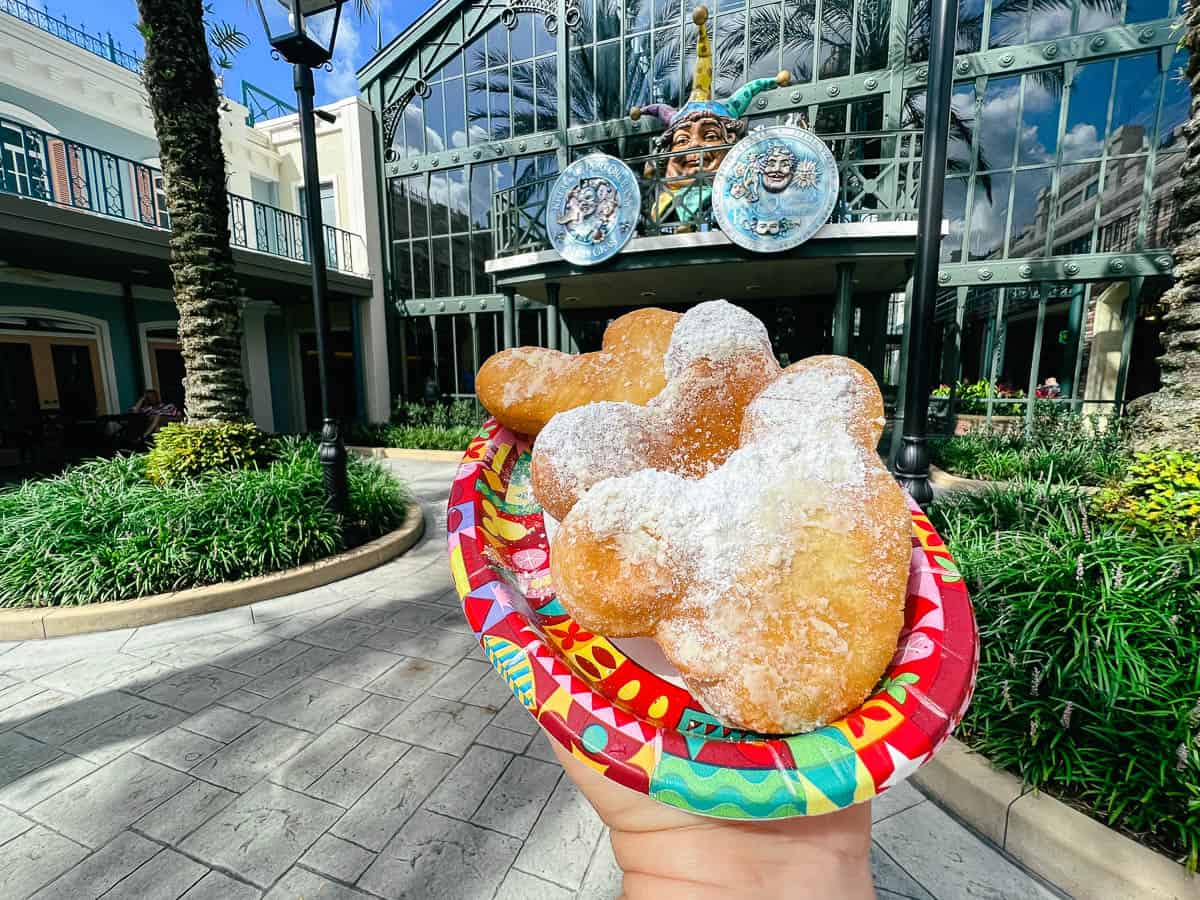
1159 495
1089 676
971 397
413 437
188 451
459 414
101 531
1062 446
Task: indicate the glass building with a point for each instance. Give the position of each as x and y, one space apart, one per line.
1065 144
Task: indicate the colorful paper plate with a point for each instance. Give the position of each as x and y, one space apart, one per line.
646 732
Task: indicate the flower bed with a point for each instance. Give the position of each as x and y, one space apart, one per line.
421 426
103 531
1089 678
1061 447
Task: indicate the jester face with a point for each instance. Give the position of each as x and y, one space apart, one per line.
698 132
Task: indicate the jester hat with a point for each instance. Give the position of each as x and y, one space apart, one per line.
701 98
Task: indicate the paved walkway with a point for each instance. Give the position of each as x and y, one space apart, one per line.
344 743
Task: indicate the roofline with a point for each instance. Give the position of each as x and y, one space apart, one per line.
434 16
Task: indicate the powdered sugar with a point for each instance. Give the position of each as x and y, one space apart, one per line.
714 330
563 442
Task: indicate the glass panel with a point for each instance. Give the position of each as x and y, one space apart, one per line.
1010 23
1160 223
665 86
1088 111
1093 16
456 124
481 251
954 205
435 120
962 121
439 220
582 88
1134 105
1078 187
543 40
521 38
458 199
497 44
441 268
420 257
498 104
477 107
997 134
970 26
402 269
831 119
547 106
1029 219
1121 201
481 196
608 19
989 211
872 35
608 81
836 18
418 194
665 12
797 38
1039 117
414 127
1176 98
460 247
522 99
1145 10
730 52
638 76
585 32
762 56
637 15
453 67
398 208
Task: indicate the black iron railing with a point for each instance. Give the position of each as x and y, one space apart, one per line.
54 169
102 45
878 171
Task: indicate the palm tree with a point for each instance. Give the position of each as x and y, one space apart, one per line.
1169 418
179 79
183 96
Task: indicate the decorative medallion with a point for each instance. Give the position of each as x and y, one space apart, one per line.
775 189
593 209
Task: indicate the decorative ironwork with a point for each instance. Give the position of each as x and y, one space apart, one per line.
101 45
263 105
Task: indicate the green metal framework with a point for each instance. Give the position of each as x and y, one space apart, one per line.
1098 95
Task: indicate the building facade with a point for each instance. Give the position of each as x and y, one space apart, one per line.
87 320
1065 144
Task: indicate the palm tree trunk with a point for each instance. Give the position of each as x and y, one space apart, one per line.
183 98
1169 418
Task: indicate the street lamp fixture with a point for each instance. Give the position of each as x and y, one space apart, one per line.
303 32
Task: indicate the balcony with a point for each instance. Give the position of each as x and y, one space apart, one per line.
878 172
872 230
51 169
101 45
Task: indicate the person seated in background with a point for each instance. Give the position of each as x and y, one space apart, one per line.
1049 390
155 412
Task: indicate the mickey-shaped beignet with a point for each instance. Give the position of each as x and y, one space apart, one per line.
718 359
524 387
776 583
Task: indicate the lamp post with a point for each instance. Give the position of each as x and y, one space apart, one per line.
912 462
303 33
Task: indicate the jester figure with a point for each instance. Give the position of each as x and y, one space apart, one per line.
699 124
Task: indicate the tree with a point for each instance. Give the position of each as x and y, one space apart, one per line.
1169 418
183 96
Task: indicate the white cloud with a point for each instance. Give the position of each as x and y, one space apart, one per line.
342 82
1081 142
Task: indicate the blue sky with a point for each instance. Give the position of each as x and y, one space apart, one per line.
355 43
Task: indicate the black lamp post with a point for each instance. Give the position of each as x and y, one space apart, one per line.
303 32
912 462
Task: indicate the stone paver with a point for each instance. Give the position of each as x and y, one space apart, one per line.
345 743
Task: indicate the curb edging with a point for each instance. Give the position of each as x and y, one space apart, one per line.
406 453
1069 849
61 621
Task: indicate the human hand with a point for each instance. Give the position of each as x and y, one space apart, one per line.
669 854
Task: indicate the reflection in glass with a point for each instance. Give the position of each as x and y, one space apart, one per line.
583 95
456 126
481 252
547 108
401 269
585 31
435 120
1075 208
665 86
1145 10
608 80
637 15
871 35
481 196
414 127
1039 117
398 208
498 104
439 219
1161 229
418 204
608 19
441 268
497 44
836 24
989 213
522 98
954 204
420 258
453 67
730 54
460 249
638 76
1029 220
1121 203
1176 98
1088 110
457 200
665 12
521 38
998 122
1134 103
